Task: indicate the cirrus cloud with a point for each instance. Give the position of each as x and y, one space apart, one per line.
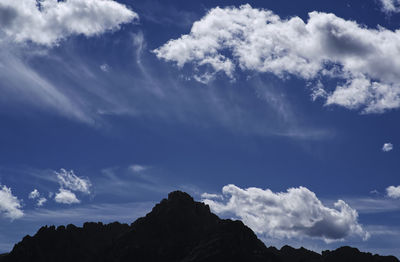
363 61
68 180
390 6
295 213
47 22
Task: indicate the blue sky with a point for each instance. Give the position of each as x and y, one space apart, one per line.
273 112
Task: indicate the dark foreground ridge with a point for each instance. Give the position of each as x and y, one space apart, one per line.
178 229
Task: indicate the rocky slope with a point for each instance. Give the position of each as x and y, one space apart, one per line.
177 229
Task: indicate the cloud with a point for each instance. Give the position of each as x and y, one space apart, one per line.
65 196
211 196
363 61
47 22
34 194
374 205
387 147
10 206
390 6
68 180
105 68
295 213
41 201
106 212
22 83
393 192
138 168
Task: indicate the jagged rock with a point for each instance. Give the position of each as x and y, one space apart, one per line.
69 243
349 254
178 229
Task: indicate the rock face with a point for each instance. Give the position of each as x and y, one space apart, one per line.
177 229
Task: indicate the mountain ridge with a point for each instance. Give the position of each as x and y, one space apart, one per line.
177 229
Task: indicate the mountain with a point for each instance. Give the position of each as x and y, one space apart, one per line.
177 229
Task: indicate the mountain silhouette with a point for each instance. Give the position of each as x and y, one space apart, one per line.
177 229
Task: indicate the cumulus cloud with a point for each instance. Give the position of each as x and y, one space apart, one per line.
68 180
46 22
393 192
295 213
65 196
34 194
10 205
390 6
363 61
387 147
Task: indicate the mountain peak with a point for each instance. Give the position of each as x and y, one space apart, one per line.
180 196
177 229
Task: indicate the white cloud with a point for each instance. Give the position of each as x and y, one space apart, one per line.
68 180
105 68
41 201
393 192
295 213
22 83
34 194
211 196
390 6
138 168
10 205
363 61
65 196
46 22
387 147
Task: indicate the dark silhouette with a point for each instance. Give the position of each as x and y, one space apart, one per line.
177 229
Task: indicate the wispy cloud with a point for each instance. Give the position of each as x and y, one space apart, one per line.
138 168
367 205
390 6
69 180
22 84
128 181
137 93
160 12
105 212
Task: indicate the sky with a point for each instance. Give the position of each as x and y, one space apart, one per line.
283 114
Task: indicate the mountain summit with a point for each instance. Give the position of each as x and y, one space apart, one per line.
177 229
